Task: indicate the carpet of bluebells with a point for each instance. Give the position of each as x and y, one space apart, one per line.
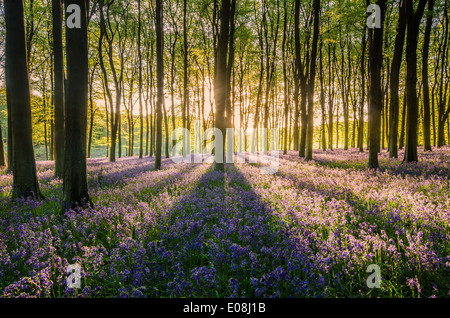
310 230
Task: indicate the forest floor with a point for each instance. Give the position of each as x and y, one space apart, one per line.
310 230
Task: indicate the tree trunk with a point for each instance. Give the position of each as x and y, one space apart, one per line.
3 163
426 89
141 110
375 90
220 80
9 140
330 99
363 92
91 110
160 81
413 21
312 76
394 83
401 142
75 189
186 143
297 70
59 88
443 111
172 86
322 98
25 182
285 78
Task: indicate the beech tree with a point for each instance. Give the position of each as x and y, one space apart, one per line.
375 90
220 78
413 19
160 81
58 88
25 182
3 162
395 80
75 189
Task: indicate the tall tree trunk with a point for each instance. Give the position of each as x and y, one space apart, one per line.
220 80
443 113
413 21
395 79
25 182
312 77
44 110
298 71
91 111
426 88
322 98
141 110
160 81
254 146
10 139
375 90
231 50
172 87
75 189
59 88
363 92
3 162
330 99
285 78
52 102
186 142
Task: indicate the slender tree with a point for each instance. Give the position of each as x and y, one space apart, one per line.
59 87
141 109
413 19
362 69
311 81
375 90
186 143
3 162
160 80
443 110
425 82
395 81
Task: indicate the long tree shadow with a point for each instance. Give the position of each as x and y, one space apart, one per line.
367 221
430 164
367 211
227 242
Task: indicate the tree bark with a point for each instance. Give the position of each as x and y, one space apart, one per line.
425 82
59 88
322 98
363 92
311 82
375 90
395 80
413 21
220 80
330 99
141 110
75 189
160 81
3 163
25 182
186 143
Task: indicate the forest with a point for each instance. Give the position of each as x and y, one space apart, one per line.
136 139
